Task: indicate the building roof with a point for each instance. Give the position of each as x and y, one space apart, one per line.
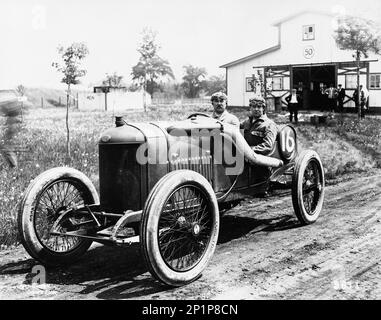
255 55
274 48
297 14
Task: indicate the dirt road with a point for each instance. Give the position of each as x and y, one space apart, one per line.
263 253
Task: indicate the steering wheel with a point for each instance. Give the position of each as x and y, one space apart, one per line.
199 114
206 116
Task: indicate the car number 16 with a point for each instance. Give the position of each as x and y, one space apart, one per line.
287 141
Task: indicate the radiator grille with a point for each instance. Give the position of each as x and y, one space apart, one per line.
119 178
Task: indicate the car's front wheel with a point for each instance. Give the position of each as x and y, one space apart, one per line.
49 196
179 227
308 187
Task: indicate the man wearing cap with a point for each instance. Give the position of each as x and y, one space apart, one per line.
259 131
219 102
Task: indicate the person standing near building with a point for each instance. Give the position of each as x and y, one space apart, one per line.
293 101
219 102
331 93
356 100
364 94
340 98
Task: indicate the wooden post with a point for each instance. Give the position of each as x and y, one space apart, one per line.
42 102
144 94
358 84
59 101
67 123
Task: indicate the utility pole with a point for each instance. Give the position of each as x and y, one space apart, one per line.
105 100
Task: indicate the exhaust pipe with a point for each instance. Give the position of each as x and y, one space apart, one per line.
232 133
249 154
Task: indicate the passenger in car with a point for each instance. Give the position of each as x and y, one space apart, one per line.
259 131
219 102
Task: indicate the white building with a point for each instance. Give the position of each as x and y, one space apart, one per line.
306 56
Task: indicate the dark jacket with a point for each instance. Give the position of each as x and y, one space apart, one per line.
260 134
341 94
355 97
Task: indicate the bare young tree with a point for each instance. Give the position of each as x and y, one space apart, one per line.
70 67
361 36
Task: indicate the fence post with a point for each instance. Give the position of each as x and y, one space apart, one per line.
42 102
59 101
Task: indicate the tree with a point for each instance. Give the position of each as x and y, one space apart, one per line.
151 67
214 84
192 80
169 91
72 58
113 80
361 36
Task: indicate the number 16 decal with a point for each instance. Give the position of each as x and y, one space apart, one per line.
287 142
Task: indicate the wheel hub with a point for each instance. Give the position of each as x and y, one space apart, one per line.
181 221
196 229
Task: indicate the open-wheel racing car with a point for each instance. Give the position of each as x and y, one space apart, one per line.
163 184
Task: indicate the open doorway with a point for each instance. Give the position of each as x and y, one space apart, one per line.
311 80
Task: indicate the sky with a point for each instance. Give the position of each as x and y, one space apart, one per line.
204 33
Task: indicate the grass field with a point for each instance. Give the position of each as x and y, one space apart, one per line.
350 147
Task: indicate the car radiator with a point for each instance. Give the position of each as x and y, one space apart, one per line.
202 165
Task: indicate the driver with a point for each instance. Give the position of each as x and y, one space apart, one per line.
259 131
219 102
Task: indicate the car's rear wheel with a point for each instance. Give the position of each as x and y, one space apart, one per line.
49 196
179 227
308 187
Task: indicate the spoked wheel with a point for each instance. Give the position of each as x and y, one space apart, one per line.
179 227
308 187
47 199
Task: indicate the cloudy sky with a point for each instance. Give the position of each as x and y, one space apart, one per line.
204 33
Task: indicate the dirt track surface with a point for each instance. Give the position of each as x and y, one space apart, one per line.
263 253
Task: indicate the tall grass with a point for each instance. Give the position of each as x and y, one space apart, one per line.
364 135
338 155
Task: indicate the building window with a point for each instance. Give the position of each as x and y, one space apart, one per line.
249 84
350 81
374 81
309 32
275 83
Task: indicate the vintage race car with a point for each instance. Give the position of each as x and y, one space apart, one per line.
163 184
